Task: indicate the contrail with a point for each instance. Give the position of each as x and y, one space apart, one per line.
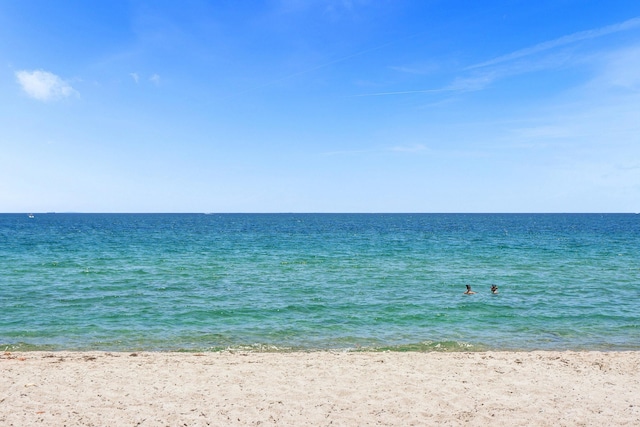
562 41
565 40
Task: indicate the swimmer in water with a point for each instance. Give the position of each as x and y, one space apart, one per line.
494 289
469 291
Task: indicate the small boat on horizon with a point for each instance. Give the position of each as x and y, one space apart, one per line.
31 216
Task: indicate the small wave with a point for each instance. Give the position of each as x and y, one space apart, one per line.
21 346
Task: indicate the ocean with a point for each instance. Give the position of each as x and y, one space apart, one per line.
306 282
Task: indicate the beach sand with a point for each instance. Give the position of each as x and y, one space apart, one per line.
320 388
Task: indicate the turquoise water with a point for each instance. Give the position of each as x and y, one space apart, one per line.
281 282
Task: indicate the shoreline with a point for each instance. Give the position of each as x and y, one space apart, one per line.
320 388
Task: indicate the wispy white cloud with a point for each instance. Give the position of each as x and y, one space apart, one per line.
155 79
482 74
403 92
409 148
333 8
472 83
44 86
604 110
349 6
621 69
415 148
561 41
135 77
461 84
545 132
424 68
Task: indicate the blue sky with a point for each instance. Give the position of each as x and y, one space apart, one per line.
320 106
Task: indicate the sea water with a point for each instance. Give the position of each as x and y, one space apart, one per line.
283 282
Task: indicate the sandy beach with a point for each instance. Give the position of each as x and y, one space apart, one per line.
319 388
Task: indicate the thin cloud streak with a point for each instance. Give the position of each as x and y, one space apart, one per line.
309 70
404 92
324 65
467 84
416 148
562 41
482 80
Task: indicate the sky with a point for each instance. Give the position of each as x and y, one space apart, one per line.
320 106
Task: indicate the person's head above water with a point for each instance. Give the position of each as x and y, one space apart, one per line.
494 289
469 291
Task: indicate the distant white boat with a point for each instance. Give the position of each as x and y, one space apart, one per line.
31 216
